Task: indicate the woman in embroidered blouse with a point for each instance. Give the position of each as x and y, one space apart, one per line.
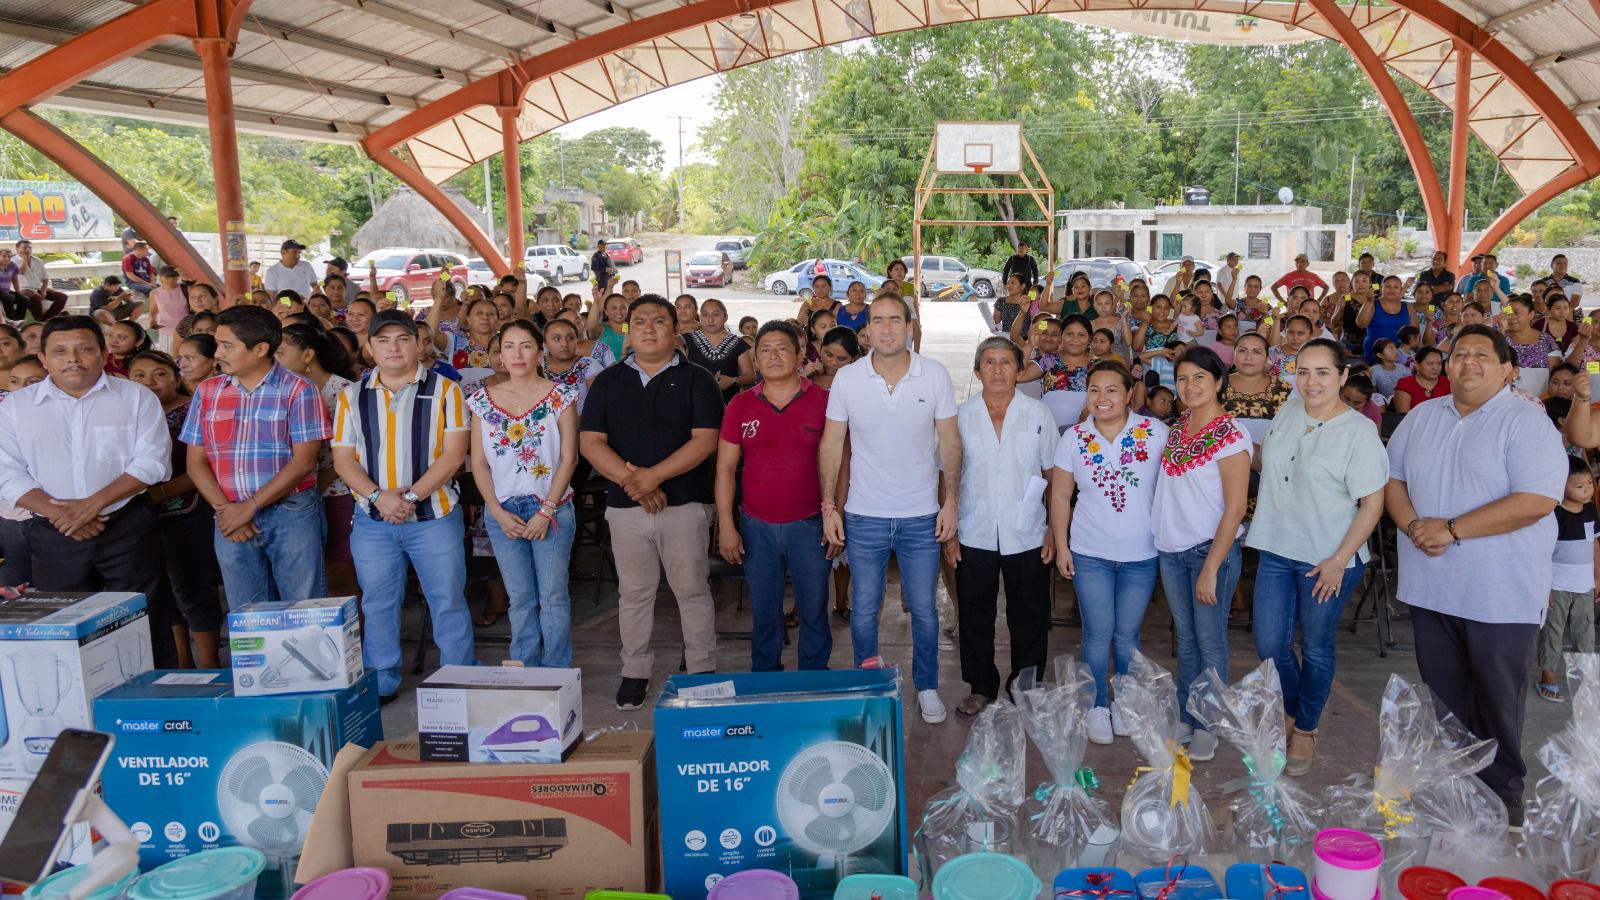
1533 349
469 347
720 351
565 364
1323 472
524 450
1103 540
1067 369
1198 518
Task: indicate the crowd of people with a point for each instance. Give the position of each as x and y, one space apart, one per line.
313 436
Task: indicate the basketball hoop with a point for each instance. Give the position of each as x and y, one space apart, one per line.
977 157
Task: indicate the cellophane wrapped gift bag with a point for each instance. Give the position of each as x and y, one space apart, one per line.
980 813
1561 834
1162 813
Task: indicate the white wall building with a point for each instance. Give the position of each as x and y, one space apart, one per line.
1267 237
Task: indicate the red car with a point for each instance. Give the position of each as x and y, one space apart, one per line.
708 268
625 251
408 272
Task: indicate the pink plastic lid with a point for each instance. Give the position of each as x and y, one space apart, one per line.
347 884
1476 893
1321 896
755 884
1346 848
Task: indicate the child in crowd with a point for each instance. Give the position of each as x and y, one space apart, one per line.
1389 370
28 370
1160 403
1102 345
748 326
32 333
821 322
1190 324
1410 341
1572 589
1358 394
124 341
170 305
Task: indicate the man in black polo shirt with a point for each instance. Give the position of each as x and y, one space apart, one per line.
602 269
1436 276
650 426
1021 263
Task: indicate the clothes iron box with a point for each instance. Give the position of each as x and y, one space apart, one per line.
504 714
291 648
196 767
57 653
799 772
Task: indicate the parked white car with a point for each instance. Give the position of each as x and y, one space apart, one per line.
557 262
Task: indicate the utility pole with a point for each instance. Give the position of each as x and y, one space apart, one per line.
488 201
1350 206
680 169
1237 121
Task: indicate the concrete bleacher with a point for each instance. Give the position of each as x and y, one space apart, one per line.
78 299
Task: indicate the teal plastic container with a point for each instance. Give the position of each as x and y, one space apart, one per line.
876 887
62 883
985 876
227 873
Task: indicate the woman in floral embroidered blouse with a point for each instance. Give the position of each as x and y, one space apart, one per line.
1198 518
1533 349
1252 392
468 348
524 450
1103 541
1068 369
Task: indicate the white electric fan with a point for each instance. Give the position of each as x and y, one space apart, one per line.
267 793
835 799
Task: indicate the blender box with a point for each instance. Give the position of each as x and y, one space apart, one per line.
291 648
197 767
544 831
57 653
499 714
801 772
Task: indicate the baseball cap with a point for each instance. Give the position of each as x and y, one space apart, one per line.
340 263
1232 255
1302 256
392 317
1186 258
292 244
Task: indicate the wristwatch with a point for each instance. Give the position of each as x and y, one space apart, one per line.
1450 525
411 497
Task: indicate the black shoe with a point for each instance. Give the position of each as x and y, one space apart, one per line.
386 699
630 695
1514 815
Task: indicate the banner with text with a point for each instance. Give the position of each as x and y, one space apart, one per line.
46 210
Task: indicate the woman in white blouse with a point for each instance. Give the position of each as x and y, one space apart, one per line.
1323 471
1198 516
524 449
1103 541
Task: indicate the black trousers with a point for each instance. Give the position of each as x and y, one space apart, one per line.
1027 581
124 557
1479 672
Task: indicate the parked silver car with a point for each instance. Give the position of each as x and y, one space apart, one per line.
944 270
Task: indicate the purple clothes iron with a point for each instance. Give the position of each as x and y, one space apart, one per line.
520 732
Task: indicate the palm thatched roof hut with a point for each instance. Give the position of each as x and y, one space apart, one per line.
407 220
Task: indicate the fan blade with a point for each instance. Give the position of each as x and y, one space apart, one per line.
306 783
831 833
250 776
868 788
811 775
268 833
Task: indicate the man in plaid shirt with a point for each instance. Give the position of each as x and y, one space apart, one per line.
253 434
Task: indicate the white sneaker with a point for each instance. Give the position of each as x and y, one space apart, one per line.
932 707
1118 727
1099 725
1202 745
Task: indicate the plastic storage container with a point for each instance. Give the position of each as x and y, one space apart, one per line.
755 884
1511 887
876 887
1572 889
623 895
1428 883
472 893
1346 864
1094 881
347 884
62 883
1476 893
227 873
1252 881
985 876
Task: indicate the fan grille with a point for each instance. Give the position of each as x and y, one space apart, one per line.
290 776
829 765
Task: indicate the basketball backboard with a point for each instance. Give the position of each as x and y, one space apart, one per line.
964 148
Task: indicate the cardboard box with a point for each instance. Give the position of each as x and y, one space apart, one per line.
801 772
504 714
196 767
545 831
291 648
57 653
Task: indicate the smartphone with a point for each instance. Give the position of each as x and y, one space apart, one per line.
52 804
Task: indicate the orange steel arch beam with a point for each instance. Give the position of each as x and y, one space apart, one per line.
1455 228
106 184
1527 206
1405 123
427 190
63 66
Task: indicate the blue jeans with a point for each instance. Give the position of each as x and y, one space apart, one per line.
1202 628
535 576
1283 600
868 542
434 548
283 562
1112 597
770 549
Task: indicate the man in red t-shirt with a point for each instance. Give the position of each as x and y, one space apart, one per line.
1302 276
137 271
776 427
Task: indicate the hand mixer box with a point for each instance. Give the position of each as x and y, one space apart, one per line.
501 714
290 648
801 772
197 767
57 653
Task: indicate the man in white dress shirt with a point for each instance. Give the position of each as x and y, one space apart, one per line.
77 450
1008 445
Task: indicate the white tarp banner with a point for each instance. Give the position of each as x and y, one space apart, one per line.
1197 27
45 210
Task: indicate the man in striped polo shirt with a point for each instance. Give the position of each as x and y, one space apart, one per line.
399 436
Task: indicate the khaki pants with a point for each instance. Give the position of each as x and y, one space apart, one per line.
1571 615
677 539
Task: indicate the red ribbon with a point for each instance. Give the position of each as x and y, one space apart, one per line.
1172 880
1100 887
1278 890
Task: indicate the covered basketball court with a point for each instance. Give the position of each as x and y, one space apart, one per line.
430 88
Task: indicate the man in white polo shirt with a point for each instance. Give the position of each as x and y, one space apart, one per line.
899 410
1473 478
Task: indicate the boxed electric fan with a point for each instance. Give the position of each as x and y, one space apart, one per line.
499 714
57 653
290 648
799 772
196 767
